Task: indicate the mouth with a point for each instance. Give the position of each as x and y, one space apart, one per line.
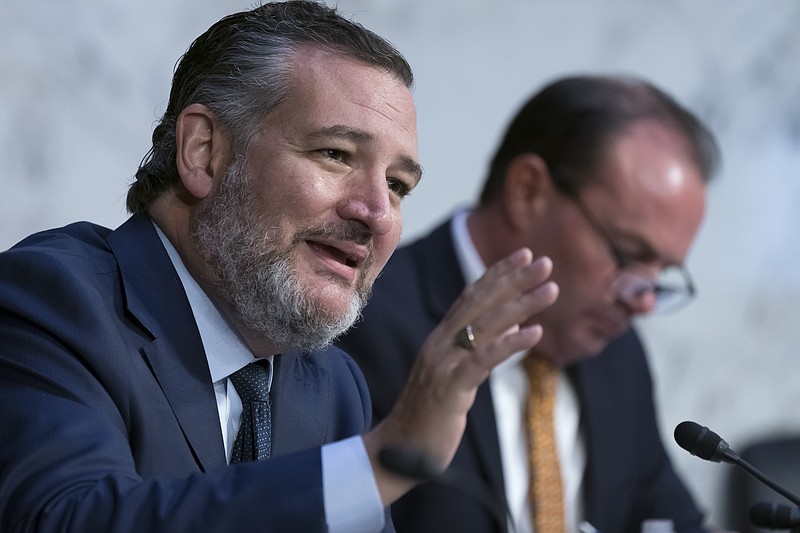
610 327
344 257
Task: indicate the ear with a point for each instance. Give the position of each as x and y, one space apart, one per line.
526 190
202 150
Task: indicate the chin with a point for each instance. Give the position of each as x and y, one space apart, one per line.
586 348
333 297
339 304
595 348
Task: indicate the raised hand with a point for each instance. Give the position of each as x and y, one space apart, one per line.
491 320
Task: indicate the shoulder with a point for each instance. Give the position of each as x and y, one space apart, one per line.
71 236
415 271
61 288
60 264
413 257
73 244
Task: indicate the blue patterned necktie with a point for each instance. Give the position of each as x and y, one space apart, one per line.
254 439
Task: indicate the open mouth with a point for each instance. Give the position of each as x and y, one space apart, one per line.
336 254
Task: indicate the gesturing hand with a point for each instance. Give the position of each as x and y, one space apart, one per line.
490 321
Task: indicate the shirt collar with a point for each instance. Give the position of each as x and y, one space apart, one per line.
469 259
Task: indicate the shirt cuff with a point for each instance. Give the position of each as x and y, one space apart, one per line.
352 500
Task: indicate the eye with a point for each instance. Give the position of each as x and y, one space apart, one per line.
626 260
398 187
642 261
333 154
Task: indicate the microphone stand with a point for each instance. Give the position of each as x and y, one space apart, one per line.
753 471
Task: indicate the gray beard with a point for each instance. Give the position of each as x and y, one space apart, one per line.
256 277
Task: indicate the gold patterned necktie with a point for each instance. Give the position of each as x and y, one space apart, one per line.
545 490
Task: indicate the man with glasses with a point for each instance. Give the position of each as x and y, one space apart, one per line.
671 287
607 176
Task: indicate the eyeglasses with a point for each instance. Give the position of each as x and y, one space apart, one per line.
673 287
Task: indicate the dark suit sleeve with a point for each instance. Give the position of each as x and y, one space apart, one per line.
87 440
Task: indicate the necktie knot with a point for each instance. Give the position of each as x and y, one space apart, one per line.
542 378
252 382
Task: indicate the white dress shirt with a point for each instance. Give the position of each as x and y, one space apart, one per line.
350 494
508 383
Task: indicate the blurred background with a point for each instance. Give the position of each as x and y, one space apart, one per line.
83 82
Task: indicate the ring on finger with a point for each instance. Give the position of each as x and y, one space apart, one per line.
465 338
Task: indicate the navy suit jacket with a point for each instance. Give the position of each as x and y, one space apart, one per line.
108 419
628 476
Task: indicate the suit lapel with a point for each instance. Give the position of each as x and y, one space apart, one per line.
441 274
443 283
155 297
600 496
482 431
302 403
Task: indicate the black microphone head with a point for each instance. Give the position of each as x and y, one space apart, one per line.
702 442
774 515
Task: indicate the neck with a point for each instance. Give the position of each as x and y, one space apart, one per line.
492 237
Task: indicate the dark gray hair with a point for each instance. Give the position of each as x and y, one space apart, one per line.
240 69
571 122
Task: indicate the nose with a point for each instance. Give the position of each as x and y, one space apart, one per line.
636 292
369 201
642 304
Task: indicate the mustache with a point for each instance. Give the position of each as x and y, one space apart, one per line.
341 230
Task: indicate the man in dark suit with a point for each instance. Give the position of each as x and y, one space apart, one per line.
606 176
136 364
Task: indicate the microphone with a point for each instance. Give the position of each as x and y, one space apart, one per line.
415 465
775 515
705 444
700 441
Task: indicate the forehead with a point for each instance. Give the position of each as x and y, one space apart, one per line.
330 90
650 189
649 159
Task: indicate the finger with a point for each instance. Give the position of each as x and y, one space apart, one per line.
497 335
503 282
516 311
485 331
505 297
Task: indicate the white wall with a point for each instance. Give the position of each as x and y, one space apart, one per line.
82 83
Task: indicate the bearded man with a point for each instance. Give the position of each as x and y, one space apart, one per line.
176 374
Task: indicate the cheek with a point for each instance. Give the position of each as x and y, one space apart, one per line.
581 274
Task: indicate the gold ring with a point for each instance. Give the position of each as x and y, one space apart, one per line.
465 338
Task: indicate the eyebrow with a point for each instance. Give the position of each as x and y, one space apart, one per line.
407 164
646 249
412 167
